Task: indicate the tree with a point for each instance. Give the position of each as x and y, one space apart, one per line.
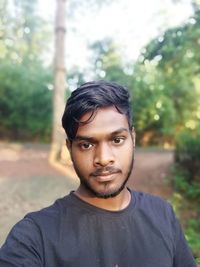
24 35
169 66
59 81
25 110
60 78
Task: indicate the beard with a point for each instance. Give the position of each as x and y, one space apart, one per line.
109 194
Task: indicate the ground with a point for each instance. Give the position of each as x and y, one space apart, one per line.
28 182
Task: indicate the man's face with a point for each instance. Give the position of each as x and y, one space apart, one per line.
102 153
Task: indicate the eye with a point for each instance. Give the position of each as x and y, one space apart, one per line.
118 140
85 146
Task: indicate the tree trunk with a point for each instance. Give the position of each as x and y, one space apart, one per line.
58 135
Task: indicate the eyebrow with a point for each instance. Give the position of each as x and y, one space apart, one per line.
90 139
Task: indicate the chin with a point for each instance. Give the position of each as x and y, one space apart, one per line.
107 195
104 194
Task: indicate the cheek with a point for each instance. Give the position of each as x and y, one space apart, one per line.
125 155
82 162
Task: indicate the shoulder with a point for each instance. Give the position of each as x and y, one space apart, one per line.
148 201
28 236
23 245
36 224
154 208
29 228
24 231
49 214
156 215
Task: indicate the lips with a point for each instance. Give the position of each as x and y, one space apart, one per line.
105 176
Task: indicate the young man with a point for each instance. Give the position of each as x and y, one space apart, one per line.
102 223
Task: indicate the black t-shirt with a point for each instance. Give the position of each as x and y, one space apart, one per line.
73 233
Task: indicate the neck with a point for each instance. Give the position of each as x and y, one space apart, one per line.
116 203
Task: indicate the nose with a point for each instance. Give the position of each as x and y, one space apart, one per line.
103 155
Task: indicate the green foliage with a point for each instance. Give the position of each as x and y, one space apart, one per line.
154 113
188 212
107 62
176 56
25 102
187 155
24 35
181 182
186 180
193 235
168 72
177 47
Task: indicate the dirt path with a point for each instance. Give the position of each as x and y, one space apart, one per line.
150 171
28 182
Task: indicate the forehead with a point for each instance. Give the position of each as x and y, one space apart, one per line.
105 121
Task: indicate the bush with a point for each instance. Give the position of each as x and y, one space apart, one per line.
187 155
191 189
188 212
193 236
26 102
186 179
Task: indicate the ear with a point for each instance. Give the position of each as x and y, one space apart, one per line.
133 134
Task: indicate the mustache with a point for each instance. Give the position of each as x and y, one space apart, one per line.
108 170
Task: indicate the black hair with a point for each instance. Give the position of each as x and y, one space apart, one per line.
88 98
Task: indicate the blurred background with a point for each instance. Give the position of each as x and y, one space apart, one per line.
48 48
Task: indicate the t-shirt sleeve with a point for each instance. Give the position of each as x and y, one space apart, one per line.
183 256
23 246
